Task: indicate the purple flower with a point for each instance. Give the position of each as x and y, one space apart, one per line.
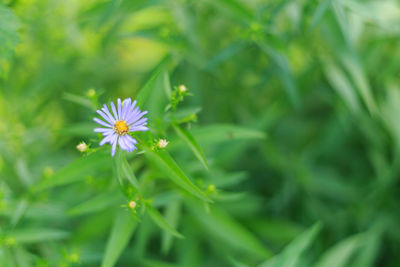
124 119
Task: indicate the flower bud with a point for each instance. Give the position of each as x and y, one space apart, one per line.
162 143
91 92
132 204
182 89
82 147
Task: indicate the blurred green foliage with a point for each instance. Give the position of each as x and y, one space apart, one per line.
283 152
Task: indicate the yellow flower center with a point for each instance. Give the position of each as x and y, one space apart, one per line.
121 127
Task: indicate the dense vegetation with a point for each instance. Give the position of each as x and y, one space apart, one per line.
283 151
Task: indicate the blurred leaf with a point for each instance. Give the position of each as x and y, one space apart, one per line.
19 212
80 100
290 256
217 133
77 170
172 215
339 255
169 167
145 92
9 38
84 129
97 203
360 79
34 235
221 225
367 255
319 13
161 222
124 171
225 54
341 84
192 144
120 235
234 8
284 73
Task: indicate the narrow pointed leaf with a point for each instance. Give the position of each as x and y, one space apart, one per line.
35 235
77 170
188 138
219 224
161 222
291 254
96 203
169 167
172 216
340 254
120 235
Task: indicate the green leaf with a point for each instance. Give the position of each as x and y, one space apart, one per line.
319 13
219 224
145 92
80 130
9 38
35 235
80 100
169 167
284 73
120 235
161 222
290 256
172 215
340 254
19 211
124 171
217 133
225 54
78 170
342 85
357 73
235 9
96 203
192 144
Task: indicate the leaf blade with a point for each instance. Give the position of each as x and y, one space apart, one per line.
120 235
169 167
188 138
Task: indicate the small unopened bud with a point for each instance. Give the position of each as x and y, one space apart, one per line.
10 241
132 204
48 171
182 89
211 188
162 143
73 257
82 147
91 92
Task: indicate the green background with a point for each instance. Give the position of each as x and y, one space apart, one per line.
293 106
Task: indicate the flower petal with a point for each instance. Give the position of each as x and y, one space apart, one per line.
114 110
136 117
107 139
104 116
119 108
126 105
138 128
105 109
102 130
130 139
114 145
139 122
123 144
102 122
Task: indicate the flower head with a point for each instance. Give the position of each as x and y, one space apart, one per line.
182 89
82 147
125 118
162 143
